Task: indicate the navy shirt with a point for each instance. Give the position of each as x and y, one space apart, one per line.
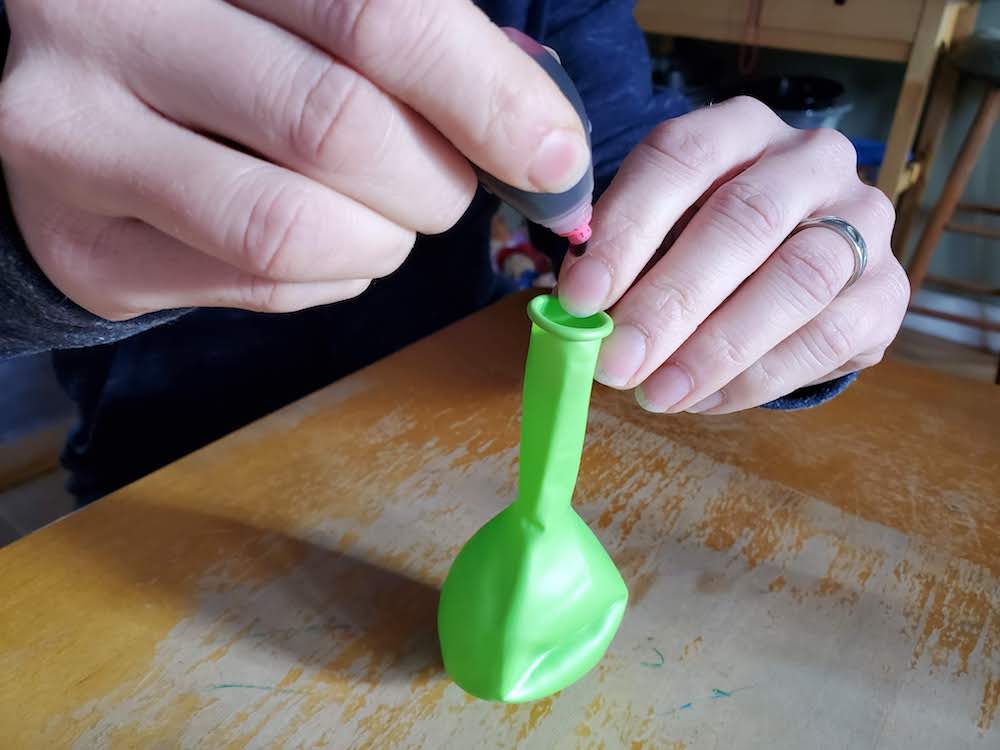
155 388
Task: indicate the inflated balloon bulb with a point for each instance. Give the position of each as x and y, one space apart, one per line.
533 600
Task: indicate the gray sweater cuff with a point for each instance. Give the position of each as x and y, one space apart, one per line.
37 317
34 315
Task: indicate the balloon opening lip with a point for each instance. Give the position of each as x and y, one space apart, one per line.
548 314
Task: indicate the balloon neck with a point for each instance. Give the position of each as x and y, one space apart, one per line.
559 375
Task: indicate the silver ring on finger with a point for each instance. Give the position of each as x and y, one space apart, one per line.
850 233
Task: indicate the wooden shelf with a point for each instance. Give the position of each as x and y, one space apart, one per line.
876 31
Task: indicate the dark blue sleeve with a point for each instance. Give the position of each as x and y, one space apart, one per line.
814 395
605 53
34 315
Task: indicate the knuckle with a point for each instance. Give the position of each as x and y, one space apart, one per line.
662 305
266 296
671 300
447 216
833 148
503 114
356 288
904 291
395 253
319 123
275 297
882 209
896 297
749 104
752 108
108 309
75 262
42 14
899 284
769 377
18 122
734 355
47 119
111 305
358 27
743 209
870 360
270 232
676 143
811 275
829 340
375 33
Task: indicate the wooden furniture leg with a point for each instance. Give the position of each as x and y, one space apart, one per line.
937 23
989 111
939 108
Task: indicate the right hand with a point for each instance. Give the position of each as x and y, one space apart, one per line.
260 155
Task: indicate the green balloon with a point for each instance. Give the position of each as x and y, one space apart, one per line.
533 600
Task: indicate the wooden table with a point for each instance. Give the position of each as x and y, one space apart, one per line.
907 31
825 579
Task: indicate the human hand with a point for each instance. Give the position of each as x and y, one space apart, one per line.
260 155
738 312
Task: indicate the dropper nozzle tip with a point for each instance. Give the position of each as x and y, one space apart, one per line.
580 235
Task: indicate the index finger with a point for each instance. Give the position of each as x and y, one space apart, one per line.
451 64
677 164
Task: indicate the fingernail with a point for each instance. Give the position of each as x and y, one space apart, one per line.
622 354
559 162
584 287
641 399
709 402
663 389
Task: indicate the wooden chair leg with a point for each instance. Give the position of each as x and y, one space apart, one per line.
939 107
954 186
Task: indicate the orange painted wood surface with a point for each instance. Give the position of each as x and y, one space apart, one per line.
819 579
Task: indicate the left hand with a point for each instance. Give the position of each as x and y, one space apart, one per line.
737 313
